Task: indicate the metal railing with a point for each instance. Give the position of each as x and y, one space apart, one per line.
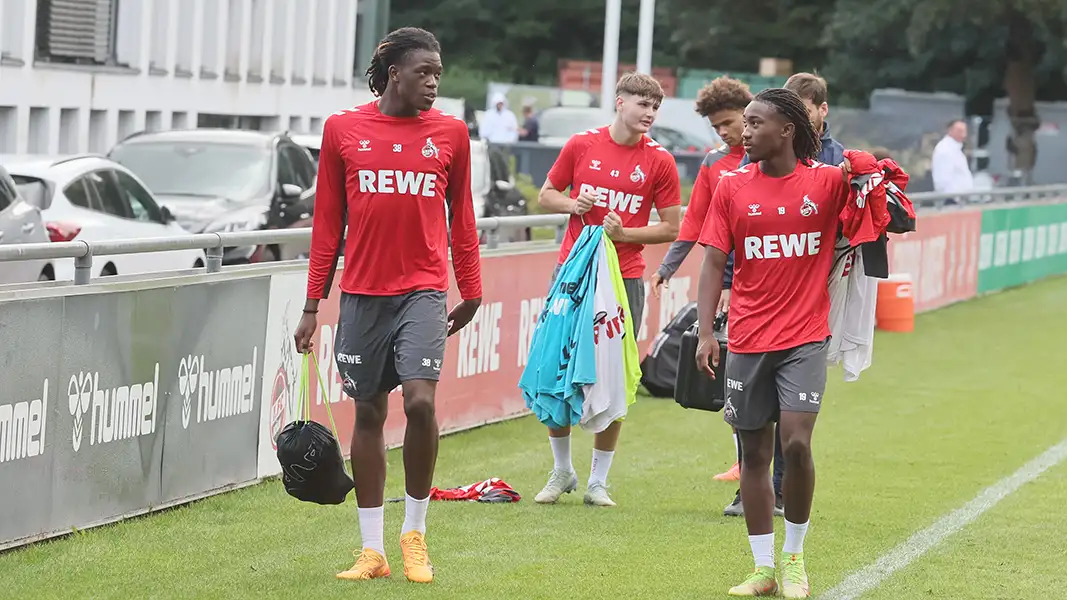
213 243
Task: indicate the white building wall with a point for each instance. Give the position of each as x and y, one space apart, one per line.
288 62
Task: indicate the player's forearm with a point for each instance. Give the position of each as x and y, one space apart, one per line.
660 233
326 236
555 201
675 256
709 288
467 265
466 258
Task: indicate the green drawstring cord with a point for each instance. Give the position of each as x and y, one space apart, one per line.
305 392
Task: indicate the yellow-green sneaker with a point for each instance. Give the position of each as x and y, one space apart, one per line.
794 576
760 583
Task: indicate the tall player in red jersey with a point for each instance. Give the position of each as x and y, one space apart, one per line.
780 215
388 170
616 175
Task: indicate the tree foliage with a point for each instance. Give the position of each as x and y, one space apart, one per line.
961 46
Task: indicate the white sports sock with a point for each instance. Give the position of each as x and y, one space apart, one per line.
762 549
794 537
561 452
598 471
372 528
735 444
415 514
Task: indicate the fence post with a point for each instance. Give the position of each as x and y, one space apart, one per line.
83 267
214 258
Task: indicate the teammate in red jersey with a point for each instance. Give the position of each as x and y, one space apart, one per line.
387 170
781 216
722 102
616 175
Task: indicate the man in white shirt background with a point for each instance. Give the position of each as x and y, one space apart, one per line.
499 125
950 171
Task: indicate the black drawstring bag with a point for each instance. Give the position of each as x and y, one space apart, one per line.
313 467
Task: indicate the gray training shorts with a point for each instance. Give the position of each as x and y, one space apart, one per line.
635 294
760 386
383 341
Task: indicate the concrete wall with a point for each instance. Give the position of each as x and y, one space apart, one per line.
288 62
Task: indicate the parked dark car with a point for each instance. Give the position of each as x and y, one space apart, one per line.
221 180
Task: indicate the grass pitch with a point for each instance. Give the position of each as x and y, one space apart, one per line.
974 393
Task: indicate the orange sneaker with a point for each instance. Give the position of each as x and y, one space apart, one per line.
731 474
370 564
417 567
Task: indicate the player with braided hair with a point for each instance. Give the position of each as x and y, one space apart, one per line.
781 214
393 161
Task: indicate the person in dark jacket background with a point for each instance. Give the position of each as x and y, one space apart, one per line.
813 90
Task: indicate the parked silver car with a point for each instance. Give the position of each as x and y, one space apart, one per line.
20 223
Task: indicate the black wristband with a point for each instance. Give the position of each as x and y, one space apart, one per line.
311 312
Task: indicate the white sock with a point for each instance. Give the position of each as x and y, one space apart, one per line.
762 549
372 528
415 514
794 537
736 447
598 471
561 452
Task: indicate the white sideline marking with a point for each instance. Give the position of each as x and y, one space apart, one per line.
871 576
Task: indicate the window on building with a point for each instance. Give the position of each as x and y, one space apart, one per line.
76 31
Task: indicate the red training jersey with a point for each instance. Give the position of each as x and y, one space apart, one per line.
389 179
629 180
717 163
783 230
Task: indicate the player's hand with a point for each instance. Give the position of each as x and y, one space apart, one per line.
707 354
305 330
846 169
583 203
462 314
613 226
657 282
724 302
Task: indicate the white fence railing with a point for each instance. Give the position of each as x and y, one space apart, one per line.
213 243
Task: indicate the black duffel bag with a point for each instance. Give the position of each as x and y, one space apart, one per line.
659 370
694 389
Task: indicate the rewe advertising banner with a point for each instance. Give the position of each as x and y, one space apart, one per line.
483 362
941 256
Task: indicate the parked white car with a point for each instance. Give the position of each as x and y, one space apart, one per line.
91 198
20 223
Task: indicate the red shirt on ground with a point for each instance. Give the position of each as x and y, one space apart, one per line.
389 179
783 230
718 162
629 180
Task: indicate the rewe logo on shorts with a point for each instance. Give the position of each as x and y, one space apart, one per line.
117 413
614 199
406 183
219 394
22 427
782 245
